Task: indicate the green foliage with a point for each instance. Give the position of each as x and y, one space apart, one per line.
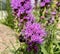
9 21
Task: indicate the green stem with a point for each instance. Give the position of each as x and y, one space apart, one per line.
51 48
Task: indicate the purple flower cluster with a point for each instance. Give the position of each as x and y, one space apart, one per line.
44 2
22 9
21 6
33 32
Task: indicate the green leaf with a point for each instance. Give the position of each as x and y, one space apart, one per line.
44 50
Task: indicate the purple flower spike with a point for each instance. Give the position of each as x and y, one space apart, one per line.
22 9
33 32
47 1
42 4
23 6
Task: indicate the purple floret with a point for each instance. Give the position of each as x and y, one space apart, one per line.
34 32
42 4
47 1
22 9
23 6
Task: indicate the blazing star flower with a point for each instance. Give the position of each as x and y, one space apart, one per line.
42 4
47 1
21 6
22 9
33 32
